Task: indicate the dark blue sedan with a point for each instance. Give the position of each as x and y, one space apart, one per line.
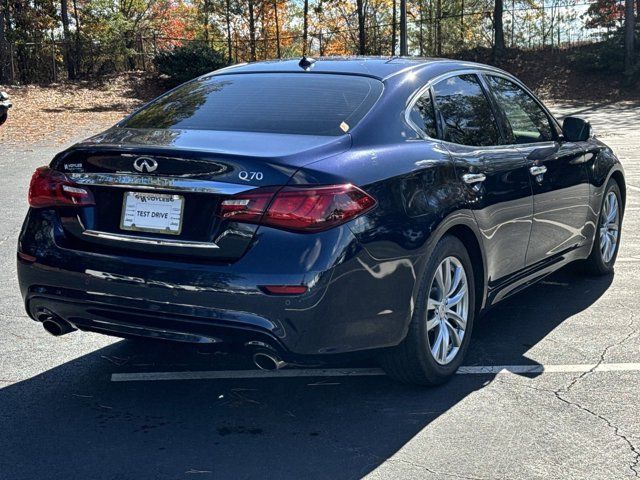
304 210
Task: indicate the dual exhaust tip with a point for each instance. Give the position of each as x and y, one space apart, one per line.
56 326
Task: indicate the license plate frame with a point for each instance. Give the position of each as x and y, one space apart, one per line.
175 208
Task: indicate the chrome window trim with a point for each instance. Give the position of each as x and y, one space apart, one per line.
479 71
152 182
149 240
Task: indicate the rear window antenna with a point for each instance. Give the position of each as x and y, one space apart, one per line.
306 63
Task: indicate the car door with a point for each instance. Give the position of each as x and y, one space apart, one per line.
496 178
557 169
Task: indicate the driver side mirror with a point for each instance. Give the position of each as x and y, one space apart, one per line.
575 129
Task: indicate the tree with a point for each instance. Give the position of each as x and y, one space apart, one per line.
227 18
393 28
629 38
275 15
4 50
252 31
305 27
362 32
498 29
68 59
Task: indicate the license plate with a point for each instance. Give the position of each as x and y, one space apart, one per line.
152 212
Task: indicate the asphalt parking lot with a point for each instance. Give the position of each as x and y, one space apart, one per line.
570 408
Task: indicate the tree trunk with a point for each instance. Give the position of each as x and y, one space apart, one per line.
393 28
205 20
629 38
68 61
275 14
305 28
403 28
227 17
498 29
78 52
252 32
439 27
421 29
362 36
3 47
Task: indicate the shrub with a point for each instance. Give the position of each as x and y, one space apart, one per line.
187 62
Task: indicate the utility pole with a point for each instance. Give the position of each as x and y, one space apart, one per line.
403 28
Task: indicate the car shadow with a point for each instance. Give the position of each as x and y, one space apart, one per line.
73 422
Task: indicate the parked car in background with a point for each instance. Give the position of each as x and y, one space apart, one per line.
302 210
5 105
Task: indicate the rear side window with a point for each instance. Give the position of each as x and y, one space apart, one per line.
465 112
526 121
297 103
423 116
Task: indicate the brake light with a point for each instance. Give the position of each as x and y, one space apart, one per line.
303 209
50 188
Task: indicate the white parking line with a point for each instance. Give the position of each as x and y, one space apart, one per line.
366 372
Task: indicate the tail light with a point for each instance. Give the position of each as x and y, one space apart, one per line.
50 188
303 209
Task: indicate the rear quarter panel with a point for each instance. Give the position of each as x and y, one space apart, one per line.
418 198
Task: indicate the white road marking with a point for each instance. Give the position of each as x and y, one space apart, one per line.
367 372
633 187
576 368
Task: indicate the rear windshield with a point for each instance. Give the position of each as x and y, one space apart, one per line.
305 104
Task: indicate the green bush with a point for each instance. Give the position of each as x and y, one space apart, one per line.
606 56
187 62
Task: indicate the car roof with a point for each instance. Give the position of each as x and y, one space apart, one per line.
377 67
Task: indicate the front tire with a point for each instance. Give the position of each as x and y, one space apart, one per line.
442 321
607 238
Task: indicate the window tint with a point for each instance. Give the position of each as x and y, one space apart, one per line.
526 121
422 115
465 112
299 103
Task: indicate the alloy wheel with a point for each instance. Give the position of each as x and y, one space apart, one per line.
447 310
609 226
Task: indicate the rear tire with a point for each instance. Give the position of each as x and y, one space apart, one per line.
442 322
608 231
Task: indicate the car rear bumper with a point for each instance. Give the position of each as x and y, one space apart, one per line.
353 302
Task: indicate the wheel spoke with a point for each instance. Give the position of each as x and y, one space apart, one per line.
432 303
446 340
440 281
605 247
435 349
612 210
612 248
431 324
455 282
455 336
447 275
458 296
612 226
460 322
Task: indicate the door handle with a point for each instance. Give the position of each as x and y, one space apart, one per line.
471 178
538 170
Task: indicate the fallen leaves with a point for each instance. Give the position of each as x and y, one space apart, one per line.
56 113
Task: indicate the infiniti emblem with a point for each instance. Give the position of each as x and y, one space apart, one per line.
145 164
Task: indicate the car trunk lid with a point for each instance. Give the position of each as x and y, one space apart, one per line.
181 176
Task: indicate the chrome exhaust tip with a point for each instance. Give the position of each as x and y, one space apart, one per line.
54 325
268 361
